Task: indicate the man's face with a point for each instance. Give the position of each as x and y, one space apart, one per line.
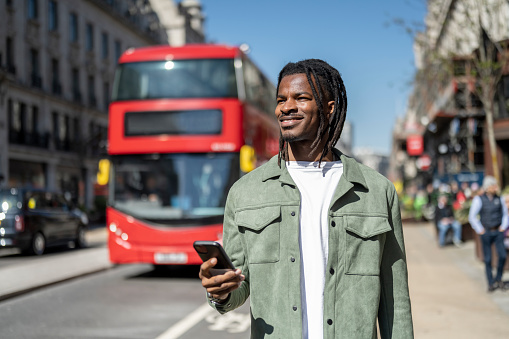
493 189
442 199
297 110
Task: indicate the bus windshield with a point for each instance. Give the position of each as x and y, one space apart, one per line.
200 78
175 189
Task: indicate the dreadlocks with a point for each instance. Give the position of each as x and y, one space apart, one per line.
329 86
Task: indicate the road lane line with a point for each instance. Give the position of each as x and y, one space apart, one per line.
185 324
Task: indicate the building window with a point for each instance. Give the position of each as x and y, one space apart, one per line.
106 95
31 126
56 137
34 64
61 131
73 27
29 121
53 15
13 120
66 132
56 86
104 42
76 133
75 85
9 54
35 119
96 136
89 38
118 50
33 12
92 101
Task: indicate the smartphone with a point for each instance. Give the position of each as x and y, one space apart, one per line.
213 249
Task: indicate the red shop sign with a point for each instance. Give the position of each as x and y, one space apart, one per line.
414 145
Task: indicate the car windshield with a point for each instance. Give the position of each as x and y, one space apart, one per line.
10 200
203 78
173 188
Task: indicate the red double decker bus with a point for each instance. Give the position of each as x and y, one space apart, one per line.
184 124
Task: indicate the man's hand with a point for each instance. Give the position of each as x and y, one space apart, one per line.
446 221
219 283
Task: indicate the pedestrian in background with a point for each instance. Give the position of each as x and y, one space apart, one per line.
488 217
445 220
316 236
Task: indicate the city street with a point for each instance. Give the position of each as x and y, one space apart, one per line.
448 292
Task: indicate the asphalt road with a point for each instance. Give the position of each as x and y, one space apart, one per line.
132 301
128 301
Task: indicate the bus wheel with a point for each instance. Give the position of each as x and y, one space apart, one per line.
81 240
38 244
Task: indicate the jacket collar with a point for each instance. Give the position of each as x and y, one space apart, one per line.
351 171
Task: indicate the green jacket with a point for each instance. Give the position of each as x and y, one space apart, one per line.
367 273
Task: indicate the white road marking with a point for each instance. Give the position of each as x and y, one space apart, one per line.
185 324
232 322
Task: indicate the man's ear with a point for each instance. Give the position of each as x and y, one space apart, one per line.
330 108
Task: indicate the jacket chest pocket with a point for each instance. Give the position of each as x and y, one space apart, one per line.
365 238
260 227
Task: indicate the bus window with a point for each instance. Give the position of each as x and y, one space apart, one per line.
205 78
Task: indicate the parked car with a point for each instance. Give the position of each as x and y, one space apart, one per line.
33 220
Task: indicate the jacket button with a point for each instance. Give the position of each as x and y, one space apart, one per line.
333 223
331 271
292 259
293 214
329 321
294 308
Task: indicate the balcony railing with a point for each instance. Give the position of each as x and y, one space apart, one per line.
35 139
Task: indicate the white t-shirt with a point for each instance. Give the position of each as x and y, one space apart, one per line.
316 186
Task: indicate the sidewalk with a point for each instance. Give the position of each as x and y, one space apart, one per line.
39 272
448 290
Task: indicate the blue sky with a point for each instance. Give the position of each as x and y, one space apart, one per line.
375 59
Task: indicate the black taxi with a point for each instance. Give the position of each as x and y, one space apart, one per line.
33 220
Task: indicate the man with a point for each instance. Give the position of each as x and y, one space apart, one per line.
445 220
491 224
316 237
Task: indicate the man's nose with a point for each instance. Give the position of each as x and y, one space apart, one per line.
289 106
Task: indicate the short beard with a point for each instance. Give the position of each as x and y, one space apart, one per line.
289 137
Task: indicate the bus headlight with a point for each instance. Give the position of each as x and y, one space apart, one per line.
113 227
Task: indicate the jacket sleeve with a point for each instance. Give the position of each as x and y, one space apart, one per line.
233 246
394 313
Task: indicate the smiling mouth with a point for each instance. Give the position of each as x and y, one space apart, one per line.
289 121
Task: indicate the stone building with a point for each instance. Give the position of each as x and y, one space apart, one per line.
57 64
445 120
